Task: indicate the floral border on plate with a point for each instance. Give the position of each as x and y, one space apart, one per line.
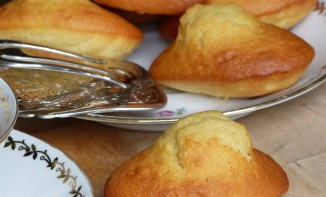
64 173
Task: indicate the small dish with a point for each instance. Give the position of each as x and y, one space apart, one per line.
8 110
34 168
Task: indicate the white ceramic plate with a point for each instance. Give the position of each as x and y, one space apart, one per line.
180 104
30 167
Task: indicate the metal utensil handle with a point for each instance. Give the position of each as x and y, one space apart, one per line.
5 44
60 69
115 75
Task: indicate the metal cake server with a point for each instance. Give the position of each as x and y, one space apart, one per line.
51 83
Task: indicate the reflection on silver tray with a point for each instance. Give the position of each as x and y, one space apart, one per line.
50 83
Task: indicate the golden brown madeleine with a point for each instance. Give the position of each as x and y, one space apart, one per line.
205 154
222 50
285 13
134 17
78 26
164 7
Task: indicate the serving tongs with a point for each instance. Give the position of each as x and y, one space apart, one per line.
51 83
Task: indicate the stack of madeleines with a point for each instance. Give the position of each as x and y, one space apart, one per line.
204 154
223 48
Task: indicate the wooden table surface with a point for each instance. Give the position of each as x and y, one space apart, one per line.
293 133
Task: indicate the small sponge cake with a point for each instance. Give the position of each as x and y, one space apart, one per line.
162 7
285 13
77 26
204 154
222 50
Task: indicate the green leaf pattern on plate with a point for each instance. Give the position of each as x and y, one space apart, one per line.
64 173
